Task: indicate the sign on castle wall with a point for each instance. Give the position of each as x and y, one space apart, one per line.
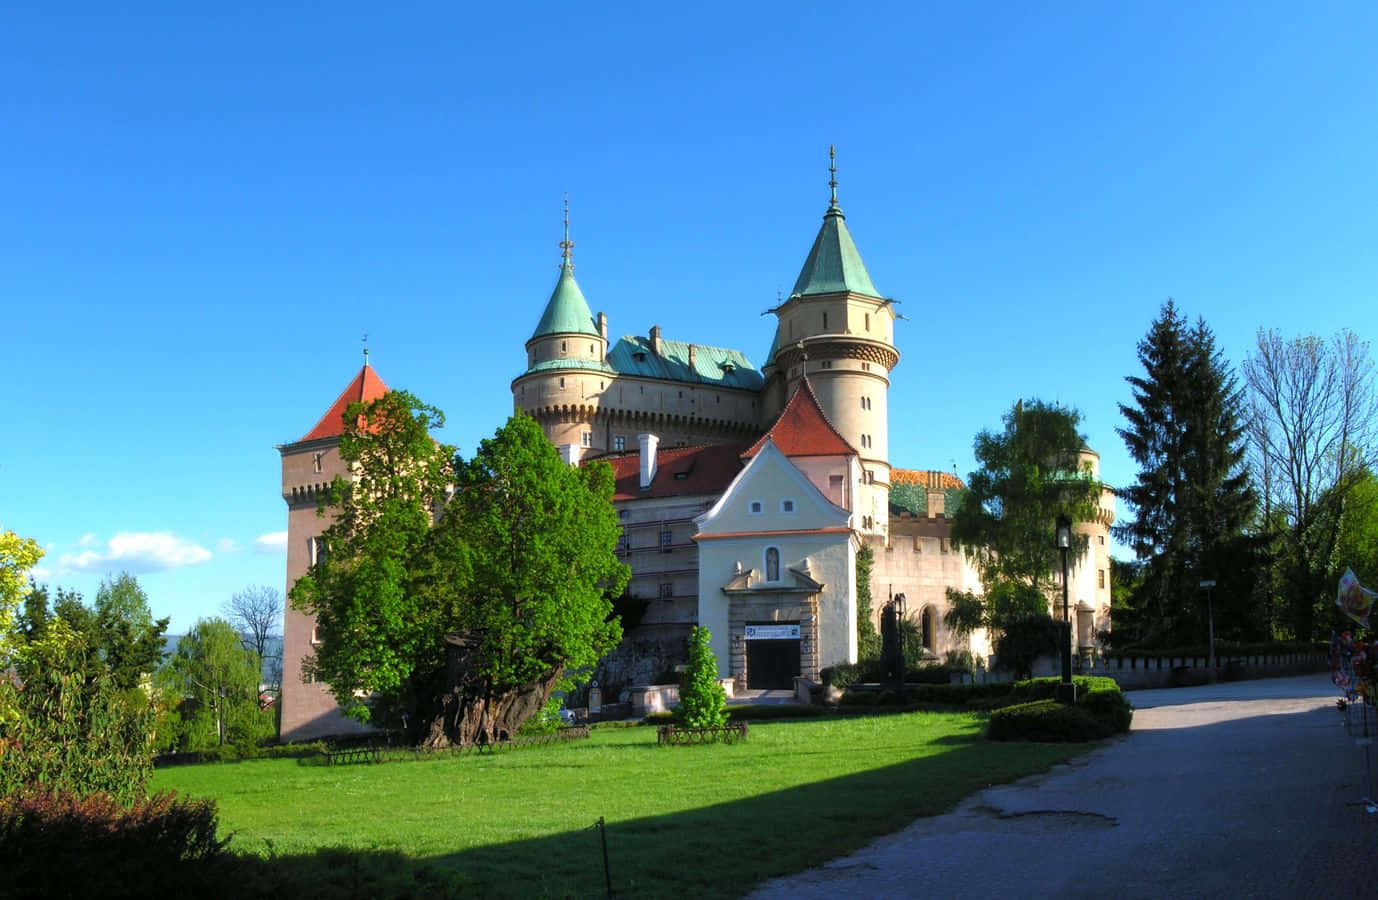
772 632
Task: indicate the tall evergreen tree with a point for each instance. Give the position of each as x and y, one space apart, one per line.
1192 500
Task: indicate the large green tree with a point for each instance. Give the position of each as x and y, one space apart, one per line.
129 638
214 670
456 616
1030 473
1192 501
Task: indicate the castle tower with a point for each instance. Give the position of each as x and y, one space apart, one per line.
308 466
566 365
837 329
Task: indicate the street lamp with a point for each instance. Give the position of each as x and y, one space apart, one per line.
1067 691
1208 585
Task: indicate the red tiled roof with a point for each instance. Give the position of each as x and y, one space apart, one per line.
680 471
365 387
938 481
803 430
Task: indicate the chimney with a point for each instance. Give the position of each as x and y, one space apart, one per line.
937 503
603 325
569 453
648 444
655 340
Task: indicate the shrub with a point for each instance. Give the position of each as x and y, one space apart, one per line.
702 701
1026 639
1045 720
1109 707
57 844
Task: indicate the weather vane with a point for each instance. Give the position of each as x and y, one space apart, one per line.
567 246
365 341
832 172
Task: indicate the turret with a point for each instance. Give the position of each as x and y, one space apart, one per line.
566 359
836 328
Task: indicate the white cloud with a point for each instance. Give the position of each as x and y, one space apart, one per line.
87 540
226 545
38 573
135 552
272 542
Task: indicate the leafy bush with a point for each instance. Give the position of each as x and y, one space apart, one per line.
1025 639
59 845
547 721
1109 707
1045 720
702 701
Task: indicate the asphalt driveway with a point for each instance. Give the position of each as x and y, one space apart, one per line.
1246 789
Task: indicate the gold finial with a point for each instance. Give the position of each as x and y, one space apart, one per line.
567 246
832 172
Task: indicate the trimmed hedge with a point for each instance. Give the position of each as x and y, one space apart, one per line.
844 675
1045 720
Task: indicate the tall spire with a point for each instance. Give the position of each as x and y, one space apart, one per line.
832 177
567 246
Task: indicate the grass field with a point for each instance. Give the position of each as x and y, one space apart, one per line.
686 821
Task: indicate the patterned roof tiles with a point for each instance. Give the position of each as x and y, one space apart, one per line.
365 387
802 429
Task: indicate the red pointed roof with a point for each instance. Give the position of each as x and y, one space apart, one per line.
365 388
680 471
803 430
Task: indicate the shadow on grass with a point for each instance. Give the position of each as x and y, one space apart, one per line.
721 850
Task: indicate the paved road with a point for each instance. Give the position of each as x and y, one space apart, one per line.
1245 789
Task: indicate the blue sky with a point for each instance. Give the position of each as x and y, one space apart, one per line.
204 211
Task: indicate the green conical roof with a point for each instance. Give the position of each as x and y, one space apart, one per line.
834 264
568 311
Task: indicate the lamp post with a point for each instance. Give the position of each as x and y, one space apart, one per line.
1208 585
1067 691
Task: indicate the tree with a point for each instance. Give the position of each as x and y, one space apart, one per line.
702 700
213 668
1314 431
255 612
1192 498
461 631
1030 473
129 639
867 638
17 556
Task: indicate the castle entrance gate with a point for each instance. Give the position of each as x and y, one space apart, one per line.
772 655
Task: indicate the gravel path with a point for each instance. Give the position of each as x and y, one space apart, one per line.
1245 789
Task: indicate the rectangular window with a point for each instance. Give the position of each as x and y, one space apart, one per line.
944 546
1100 539
622 544
665 538
755 507
667 590
586 438
787 506
316 460
315 550
1100 578
619 442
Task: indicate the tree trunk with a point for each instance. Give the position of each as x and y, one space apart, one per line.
470 712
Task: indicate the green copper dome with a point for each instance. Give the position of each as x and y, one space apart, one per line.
834 264
568 311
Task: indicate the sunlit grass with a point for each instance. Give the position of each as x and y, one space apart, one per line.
706 819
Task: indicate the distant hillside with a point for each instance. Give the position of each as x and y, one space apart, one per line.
170 642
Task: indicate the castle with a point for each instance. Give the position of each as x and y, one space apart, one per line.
744 494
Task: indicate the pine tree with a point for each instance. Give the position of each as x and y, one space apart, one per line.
1192 499
702 700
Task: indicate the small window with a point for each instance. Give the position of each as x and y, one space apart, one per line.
865 367
622 544
755 507
315 635
619 442
562 383
317 459
1100 539
827 363
825 321
772 564
586 438
315 550
834 482
564 345
868 321
590 349
1100 578
667 590
944 546
786 506
665 538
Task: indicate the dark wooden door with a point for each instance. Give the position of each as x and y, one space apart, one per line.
772 665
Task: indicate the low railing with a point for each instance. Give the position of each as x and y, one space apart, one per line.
379 754
730 733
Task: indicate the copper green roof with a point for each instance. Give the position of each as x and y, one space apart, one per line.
913 499
774 345
834 264
567 312
632 355
586 365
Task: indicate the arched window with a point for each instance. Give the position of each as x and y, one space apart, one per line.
926 628
772 564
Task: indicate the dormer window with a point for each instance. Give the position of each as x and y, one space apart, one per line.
639 355
786 506
755 507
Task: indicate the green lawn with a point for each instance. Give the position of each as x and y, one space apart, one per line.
684 821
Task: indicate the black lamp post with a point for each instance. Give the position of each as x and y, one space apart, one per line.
1067 691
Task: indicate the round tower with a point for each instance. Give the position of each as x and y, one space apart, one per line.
566 368
837 329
